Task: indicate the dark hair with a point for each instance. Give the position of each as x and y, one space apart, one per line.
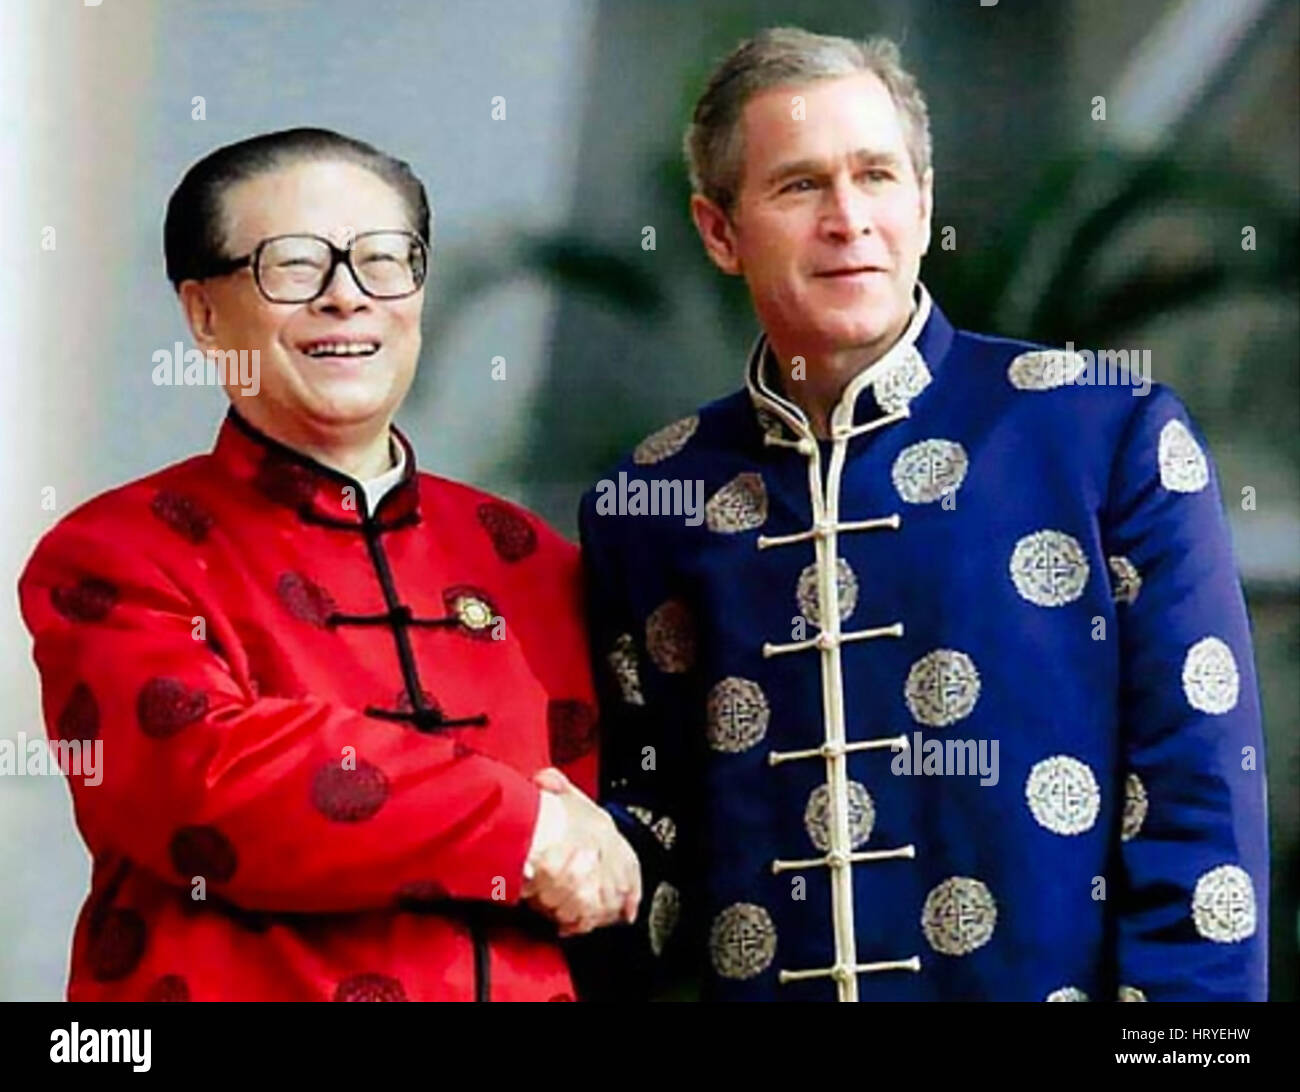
193 236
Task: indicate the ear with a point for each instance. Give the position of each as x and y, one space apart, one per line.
200 313
716 233
927 205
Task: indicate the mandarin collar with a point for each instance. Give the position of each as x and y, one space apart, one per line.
317 493
888 385
378 486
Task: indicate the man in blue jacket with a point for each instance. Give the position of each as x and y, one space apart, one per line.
950 694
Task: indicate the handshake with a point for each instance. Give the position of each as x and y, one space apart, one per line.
581 873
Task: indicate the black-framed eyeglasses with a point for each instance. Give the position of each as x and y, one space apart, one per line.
386 265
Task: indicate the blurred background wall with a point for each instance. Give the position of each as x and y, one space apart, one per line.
1126 231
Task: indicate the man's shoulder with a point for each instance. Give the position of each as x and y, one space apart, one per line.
710 430
1086 396
1101 377
694 451
1093 413
126 504
119 520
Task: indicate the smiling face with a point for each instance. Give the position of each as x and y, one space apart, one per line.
340 365
830 220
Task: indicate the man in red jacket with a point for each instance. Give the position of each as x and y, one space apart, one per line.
327 687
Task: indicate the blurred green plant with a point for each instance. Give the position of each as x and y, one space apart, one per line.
567 260
1107 249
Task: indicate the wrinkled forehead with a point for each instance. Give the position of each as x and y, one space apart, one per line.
331 198
823 118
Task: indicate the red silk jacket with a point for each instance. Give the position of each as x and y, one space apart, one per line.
318 730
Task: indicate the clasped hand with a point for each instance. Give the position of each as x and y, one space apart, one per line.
587 877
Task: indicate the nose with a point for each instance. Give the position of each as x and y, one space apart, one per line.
342 295
847 211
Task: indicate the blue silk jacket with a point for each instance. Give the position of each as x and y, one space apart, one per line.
958 704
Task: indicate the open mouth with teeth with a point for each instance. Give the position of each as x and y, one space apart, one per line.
332 349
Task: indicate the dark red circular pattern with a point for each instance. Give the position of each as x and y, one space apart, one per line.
511 534
165 706
304 599
117 943
349 796
370 987
80 716
284 481
182 514
171 987
571 725
203 851
560 997
89 600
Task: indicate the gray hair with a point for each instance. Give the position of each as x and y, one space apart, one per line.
714 143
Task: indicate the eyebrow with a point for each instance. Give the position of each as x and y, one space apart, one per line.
862 157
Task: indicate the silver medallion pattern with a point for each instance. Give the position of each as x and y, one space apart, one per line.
959 916
925 471
742 941
1125 582
1067 993
1210 680
942 687
737 715
817 816
900 382
740 505
668 441
1183 466
1135 807
846 592
1049 568
665 909
1223 905
622 661
1045 370
1063 795
665 830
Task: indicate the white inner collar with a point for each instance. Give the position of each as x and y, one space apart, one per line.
377 487
842 414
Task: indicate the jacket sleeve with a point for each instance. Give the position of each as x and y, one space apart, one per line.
642 643
289 804
1193 849
547 616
